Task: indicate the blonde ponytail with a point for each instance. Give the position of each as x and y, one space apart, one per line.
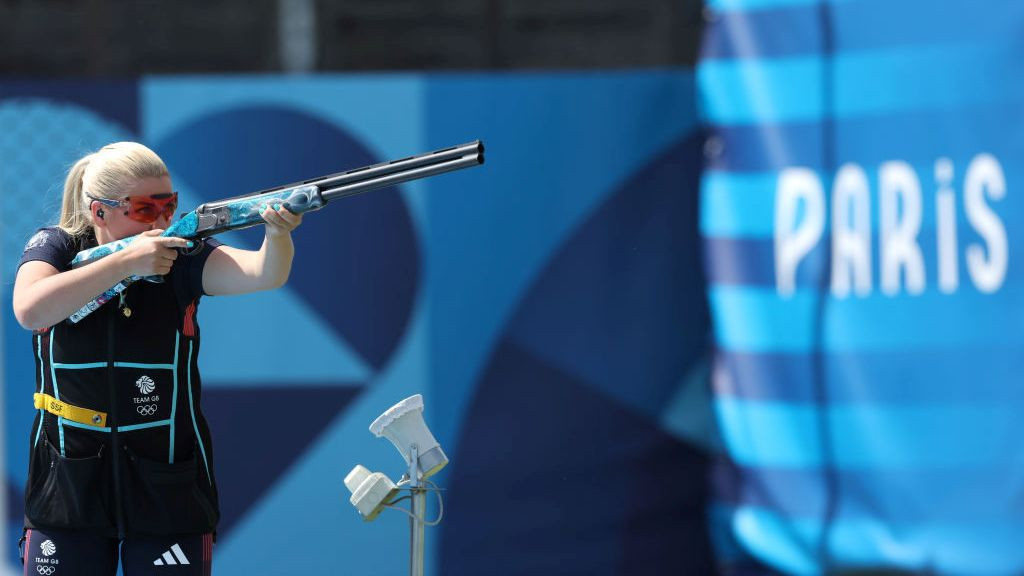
75 218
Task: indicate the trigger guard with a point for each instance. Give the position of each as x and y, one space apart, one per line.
197 245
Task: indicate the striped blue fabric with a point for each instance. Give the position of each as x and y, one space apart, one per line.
860 214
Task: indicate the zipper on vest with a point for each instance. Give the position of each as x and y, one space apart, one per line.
114 421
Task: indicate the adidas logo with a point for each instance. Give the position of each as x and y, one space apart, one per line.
172 557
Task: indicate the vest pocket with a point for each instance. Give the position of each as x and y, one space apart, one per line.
164 498
68 492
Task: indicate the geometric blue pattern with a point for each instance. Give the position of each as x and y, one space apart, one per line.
564 269
587 363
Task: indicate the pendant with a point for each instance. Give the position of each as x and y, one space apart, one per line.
124 307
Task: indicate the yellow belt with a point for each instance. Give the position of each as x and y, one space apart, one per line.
69 412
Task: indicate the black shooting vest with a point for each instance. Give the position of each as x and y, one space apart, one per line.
150 469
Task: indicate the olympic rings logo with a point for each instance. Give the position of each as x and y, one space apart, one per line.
146 409
45 570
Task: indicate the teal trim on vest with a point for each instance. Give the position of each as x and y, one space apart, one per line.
88 365
140 365
56 391
131 427
42 382
128 428
192 412
74 424
174 396
64 366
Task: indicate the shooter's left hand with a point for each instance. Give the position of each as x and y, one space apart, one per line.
280 222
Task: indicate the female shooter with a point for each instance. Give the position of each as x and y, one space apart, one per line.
121 465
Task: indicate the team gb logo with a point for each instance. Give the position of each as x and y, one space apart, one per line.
145 384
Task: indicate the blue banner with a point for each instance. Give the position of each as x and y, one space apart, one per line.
859 224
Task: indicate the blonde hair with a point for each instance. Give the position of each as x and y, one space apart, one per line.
105 173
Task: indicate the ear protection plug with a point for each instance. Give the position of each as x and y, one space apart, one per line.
99 213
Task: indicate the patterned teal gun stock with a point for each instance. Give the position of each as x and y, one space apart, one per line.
244 211
241 213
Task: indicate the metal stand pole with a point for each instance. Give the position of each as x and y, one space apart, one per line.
417 530
419 505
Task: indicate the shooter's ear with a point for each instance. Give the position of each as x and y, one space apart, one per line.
97 213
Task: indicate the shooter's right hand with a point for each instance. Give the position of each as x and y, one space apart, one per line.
151 254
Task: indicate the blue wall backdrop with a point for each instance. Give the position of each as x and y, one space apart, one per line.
549 306
860 222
